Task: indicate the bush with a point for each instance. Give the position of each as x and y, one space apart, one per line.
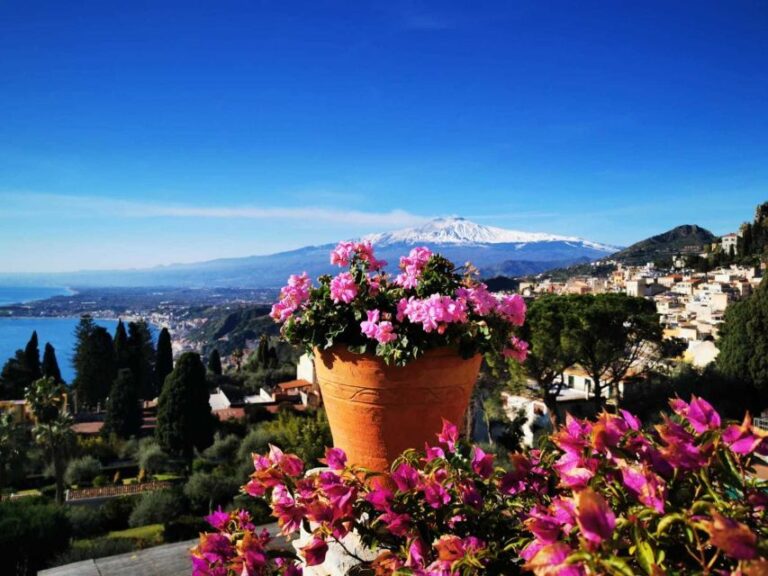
82 471
206 491
224 449
157 507
86 521
100 480
31 533
183 528
257 441
92 549
103 449
116 512
152 458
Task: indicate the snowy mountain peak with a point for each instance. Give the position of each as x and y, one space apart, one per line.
460 231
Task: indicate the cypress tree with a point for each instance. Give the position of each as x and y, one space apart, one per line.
262 354
124 415
184 419
96 368
142 358
122 353
164 360
32 357
50 366
80 357
214 362
15 377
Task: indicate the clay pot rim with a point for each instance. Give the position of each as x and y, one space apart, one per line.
340 351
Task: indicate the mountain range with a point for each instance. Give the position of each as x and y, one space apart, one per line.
494 251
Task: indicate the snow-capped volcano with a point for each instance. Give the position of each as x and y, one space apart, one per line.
456 230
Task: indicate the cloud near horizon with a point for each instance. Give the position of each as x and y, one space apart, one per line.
83 206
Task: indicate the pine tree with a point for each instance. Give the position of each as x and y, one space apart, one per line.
32 357
124 415
184 419
214 362
122 354
50 365
164 360
142 358
95 365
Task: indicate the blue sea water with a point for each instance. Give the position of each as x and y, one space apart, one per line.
60 332
22 295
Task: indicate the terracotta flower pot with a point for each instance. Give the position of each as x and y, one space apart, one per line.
378 411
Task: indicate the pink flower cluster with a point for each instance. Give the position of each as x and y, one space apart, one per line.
433 313
343 288
381 331
605 494
345 252
517 349
412 266
292 297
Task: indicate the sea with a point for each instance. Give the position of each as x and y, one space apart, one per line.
60 332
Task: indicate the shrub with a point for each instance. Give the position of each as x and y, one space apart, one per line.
116 512
603 497
93 549
224 449
100 480
183 528
82 470
152 458
205 491
256 442
31 533
86 521
157 507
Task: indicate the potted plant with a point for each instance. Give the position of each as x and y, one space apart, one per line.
395 355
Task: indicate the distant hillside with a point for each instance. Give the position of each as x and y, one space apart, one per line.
228 329
688 237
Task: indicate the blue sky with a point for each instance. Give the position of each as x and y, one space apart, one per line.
149 132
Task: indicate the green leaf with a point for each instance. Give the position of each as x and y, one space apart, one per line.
667 522
617 566
645 556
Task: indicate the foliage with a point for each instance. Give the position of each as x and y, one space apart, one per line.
21 370
142 358
82 470
224 449
124 414
86 521
156 507
183 528
302 434
93 549
94 362
31 533
32 356
116 511
50 366
164 359
184 419
13 441
53 427
744 339
428 305
604 497
151 458
214 362
205 490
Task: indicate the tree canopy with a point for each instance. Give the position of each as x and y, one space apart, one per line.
164 360
184 419
124 415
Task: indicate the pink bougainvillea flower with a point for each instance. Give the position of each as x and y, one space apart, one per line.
745 439
449 436
732 537
607 431
574 436
405 477
574 470
482 463
543 525
550 560
289 514
517 349
512 307
432 452
435 493
594 517
397 524
417 554
314 552
218 519
343 288
381 497
335 458
647 487
680 448
632 421
699 413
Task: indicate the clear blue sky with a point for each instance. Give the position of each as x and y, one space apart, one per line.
147 132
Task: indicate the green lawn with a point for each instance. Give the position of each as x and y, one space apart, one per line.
150 533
